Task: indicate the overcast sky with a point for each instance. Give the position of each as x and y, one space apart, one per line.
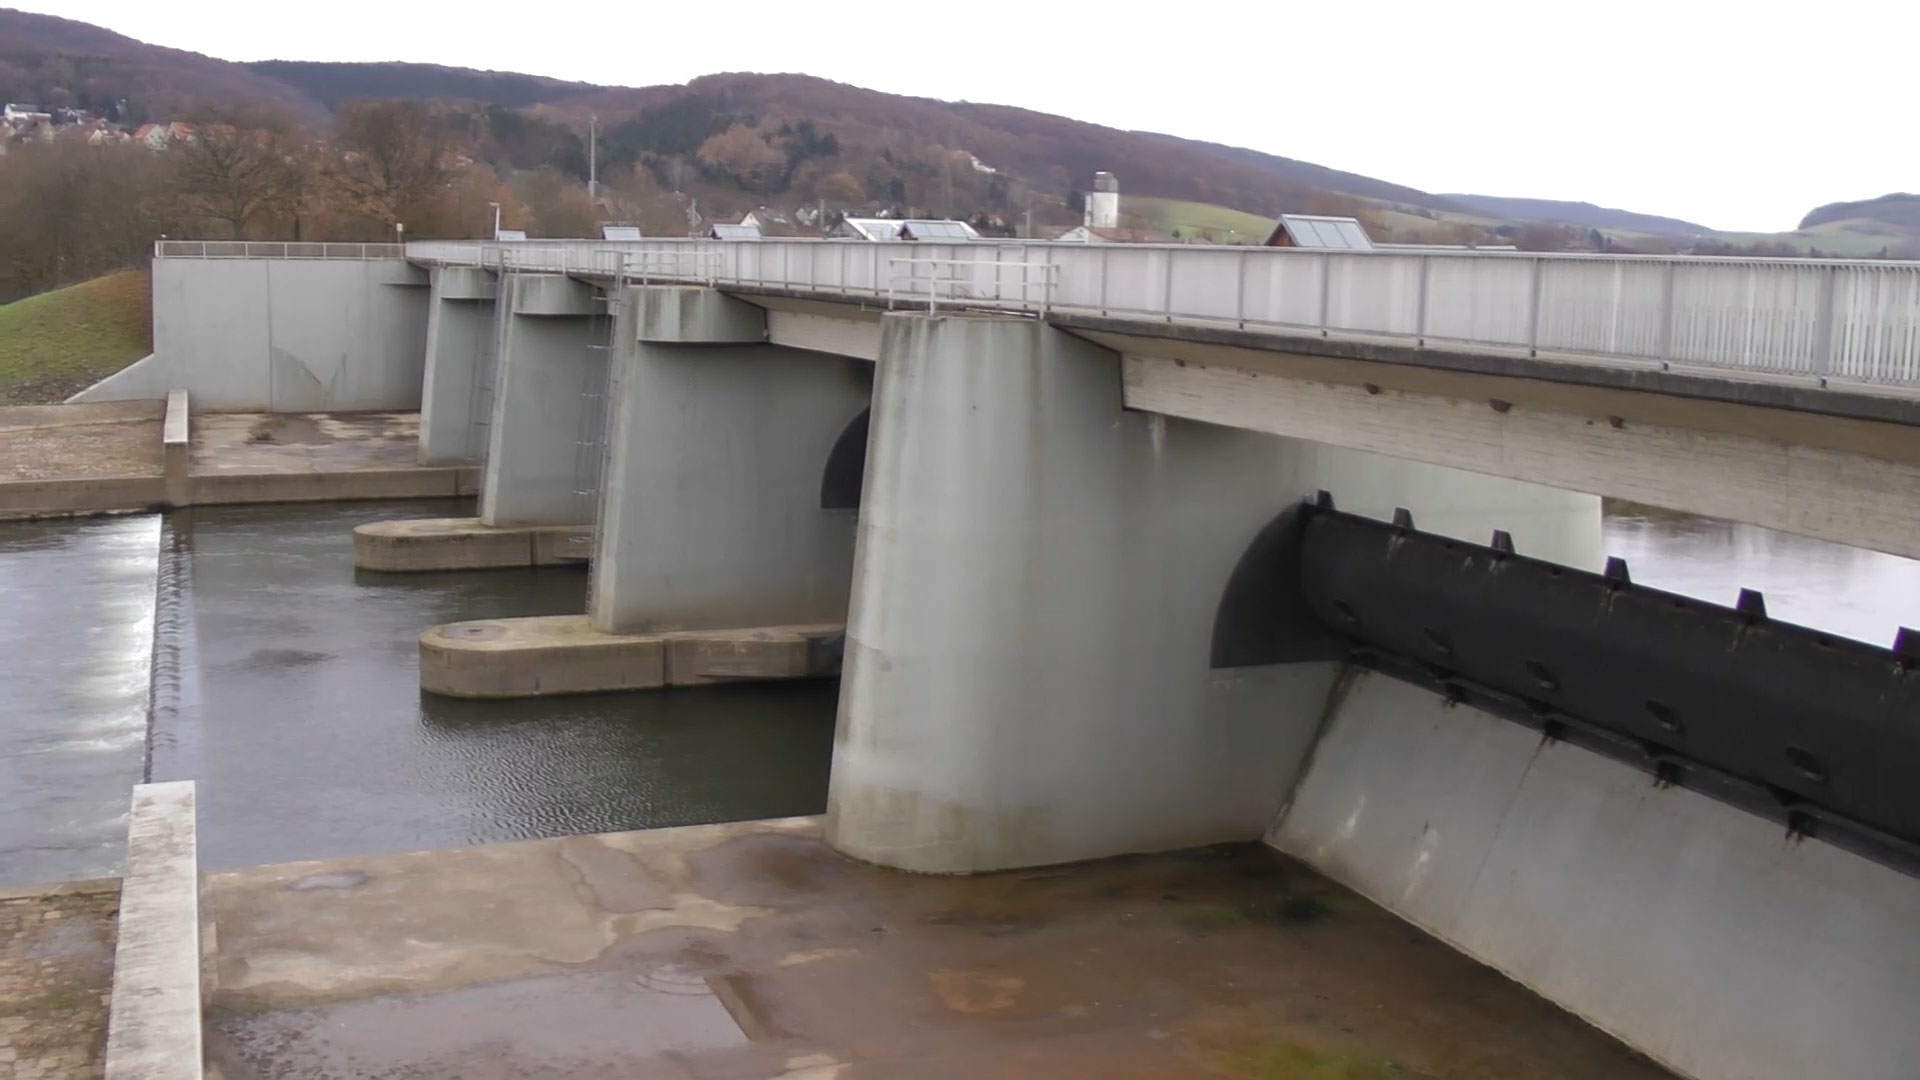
1736 115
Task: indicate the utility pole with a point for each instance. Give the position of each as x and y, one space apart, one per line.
593 172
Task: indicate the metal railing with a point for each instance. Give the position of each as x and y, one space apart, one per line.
1816 318
272 249
955 281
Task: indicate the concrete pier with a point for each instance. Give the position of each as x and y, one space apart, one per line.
562 654
1027 675
462 351
548 405
718 446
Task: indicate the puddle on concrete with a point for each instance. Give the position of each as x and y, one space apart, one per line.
287 685
76 633
1119 968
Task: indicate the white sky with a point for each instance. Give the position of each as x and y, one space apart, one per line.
1736 115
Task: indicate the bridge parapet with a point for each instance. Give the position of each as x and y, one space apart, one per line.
1850 320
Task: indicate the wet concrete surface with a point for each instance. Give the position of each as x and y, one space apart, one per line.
56 974
304 442
76 634
287 685
754 951
74 442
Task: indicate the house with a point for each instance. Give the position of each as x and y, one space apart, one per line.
1323 233
24 115
157 136
944 231
905 229
1087 234
720 230
853 228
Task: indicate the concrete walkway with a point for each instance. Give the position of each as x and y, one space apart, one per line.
58 460
751 950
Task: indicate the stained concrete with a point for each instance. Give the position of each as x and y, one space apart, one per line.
564 654
301 457
752 950
56 963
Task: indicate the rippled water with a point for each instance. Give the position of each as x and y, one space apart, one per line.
289 689
287 685
76 620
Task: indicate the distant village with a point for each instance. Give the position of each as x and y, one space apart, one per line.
27 123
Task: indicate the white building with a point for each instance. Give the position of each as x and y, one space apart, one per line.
1103 203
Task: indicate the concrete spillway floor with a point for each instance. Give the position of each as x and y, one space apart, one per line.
752 950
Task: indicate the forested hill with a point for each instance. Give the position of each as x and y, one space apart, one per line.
53 61
331 84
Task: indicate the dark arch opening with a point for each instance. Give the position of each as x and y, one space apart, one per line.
846 466
1263 617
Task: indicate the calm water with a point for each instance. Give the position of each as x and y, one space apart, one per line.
1847 591
288 687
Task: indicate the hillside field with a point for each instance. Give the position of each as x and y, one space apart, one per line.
58 343
1231 226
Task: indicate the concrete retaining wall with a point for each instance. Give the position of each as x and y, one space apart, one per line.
282 335
1699 934
1027 669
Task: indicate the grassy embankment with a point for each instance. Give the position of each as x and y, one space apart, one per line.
58 343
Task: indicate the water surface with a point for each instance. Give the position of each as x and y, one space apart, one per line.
76 626
288 687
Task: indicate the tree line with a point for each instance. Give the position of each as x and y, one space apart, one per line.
70 210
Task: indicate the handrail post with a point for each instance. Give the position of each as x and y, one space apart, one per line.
1106 259
1823 324
1533 307
1240 290
1326 289
1667 314
1166 300
1420 316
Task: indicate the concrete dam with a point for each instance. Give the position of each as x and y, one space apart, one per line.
1127 553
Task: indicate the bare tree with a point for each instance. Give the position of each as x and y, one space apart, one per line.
397 158
236 168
